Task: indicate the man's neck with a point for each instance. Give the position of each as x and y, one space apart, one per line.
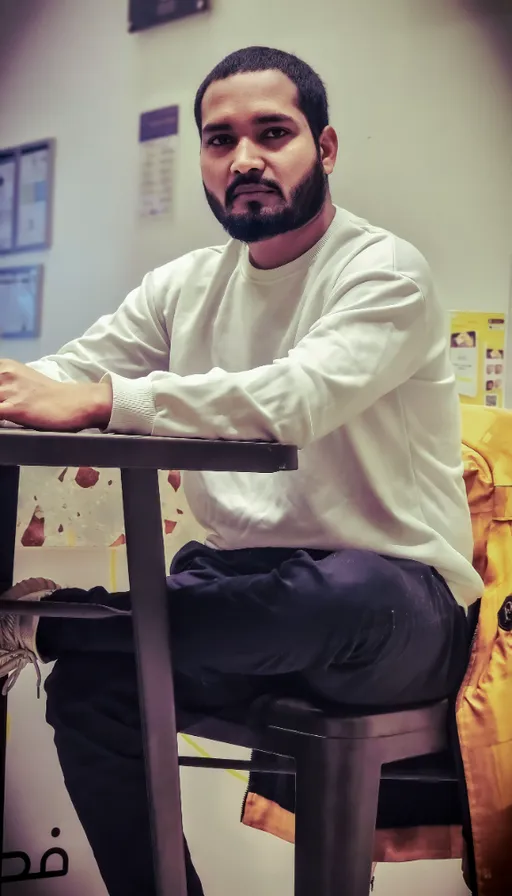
280 250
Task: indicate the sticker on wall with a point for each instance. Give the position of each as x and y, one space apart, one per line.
146 13
158 136
477 351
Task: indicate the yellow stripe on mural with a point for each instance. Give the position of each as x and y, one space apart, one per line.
113 570
202 752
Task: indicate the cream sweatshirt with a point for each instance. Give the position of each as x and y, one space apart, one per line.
342 352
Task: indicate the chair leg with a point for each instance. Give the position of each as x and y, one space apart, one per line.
337 792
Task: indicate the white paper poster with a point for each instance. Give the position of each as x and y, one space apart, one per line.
158 138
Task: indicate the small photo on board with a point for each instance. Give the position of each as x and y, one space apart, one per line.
463 340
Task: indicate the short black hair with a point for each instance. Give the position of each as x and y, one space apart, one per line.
312 94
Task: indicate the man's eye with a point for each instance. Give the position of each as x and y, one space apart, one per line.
275 133
220 140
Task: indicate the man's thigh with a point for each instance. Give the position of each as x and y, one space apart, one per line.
349 625
408 645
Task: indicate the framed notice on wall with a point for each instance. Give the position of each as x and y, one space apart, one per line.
26 187
147 13
20 301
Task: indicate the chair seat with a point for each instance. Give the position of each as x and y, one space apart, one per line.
253 729
333 721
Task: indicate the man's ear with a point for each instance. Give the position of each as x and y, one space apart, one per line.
328 149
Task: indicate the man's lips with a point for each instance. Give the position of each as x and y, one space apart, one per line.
252 188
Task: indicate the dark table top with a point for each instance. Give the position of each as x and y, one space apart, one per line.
27 447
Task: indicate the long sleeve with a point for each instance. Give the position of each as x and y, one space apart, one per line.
373 337
130 342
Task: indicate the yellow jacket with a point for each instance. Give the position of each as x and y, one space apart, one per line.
484 704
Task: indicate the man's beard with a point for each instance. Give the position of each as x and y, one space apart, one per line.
260 223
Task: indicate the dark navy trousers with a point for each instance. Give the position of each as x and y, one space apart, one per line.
349 626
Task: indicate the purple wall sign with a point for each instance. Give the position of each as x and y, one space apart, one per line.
159 123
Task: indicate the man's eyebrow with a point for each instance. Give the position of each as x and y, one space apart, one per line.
216 127
276 118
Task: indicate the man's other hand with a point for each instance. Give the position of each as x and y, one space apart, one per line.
31 399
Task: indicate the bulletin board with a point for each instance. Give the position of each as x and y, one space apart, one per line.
477 351
26 189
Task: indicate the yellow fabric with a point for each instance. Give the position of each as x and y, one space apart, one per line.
484 709
484 705
390 846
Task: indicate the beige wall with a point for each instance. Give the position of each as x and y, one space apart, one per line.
419 95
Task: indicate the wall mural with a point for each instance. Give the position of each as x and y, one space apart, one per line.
19 864
83 506
75 508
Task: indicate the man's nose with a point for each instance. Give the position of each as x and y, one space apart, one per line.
246 158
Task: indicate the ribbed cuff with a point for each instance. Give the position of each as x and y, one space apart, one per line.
133 408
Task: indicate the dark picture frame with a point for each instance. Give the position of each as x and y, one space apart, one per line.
148 13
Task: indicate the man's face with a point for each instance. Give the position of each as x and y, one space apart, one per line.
261 168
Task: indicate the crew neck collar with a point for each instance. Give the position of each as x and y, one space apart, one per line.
270 275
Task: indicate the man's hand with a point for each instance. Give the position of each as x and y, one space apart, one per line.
31 399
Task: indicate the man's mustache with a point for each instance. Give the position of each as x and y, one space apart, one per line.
249 180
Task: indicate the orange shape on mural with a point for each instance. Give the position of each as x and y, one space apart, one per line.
86 477
33 536
174 479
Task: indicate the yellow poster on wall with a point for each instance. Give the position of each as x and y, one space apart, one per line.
477 351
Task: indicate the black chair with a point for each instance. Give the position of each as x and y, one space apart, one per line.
340 760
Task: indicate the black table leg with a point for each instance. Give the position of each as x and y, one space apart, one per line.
9 481
146 569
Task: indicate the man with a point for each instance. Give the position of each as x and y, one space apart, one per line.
346 579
